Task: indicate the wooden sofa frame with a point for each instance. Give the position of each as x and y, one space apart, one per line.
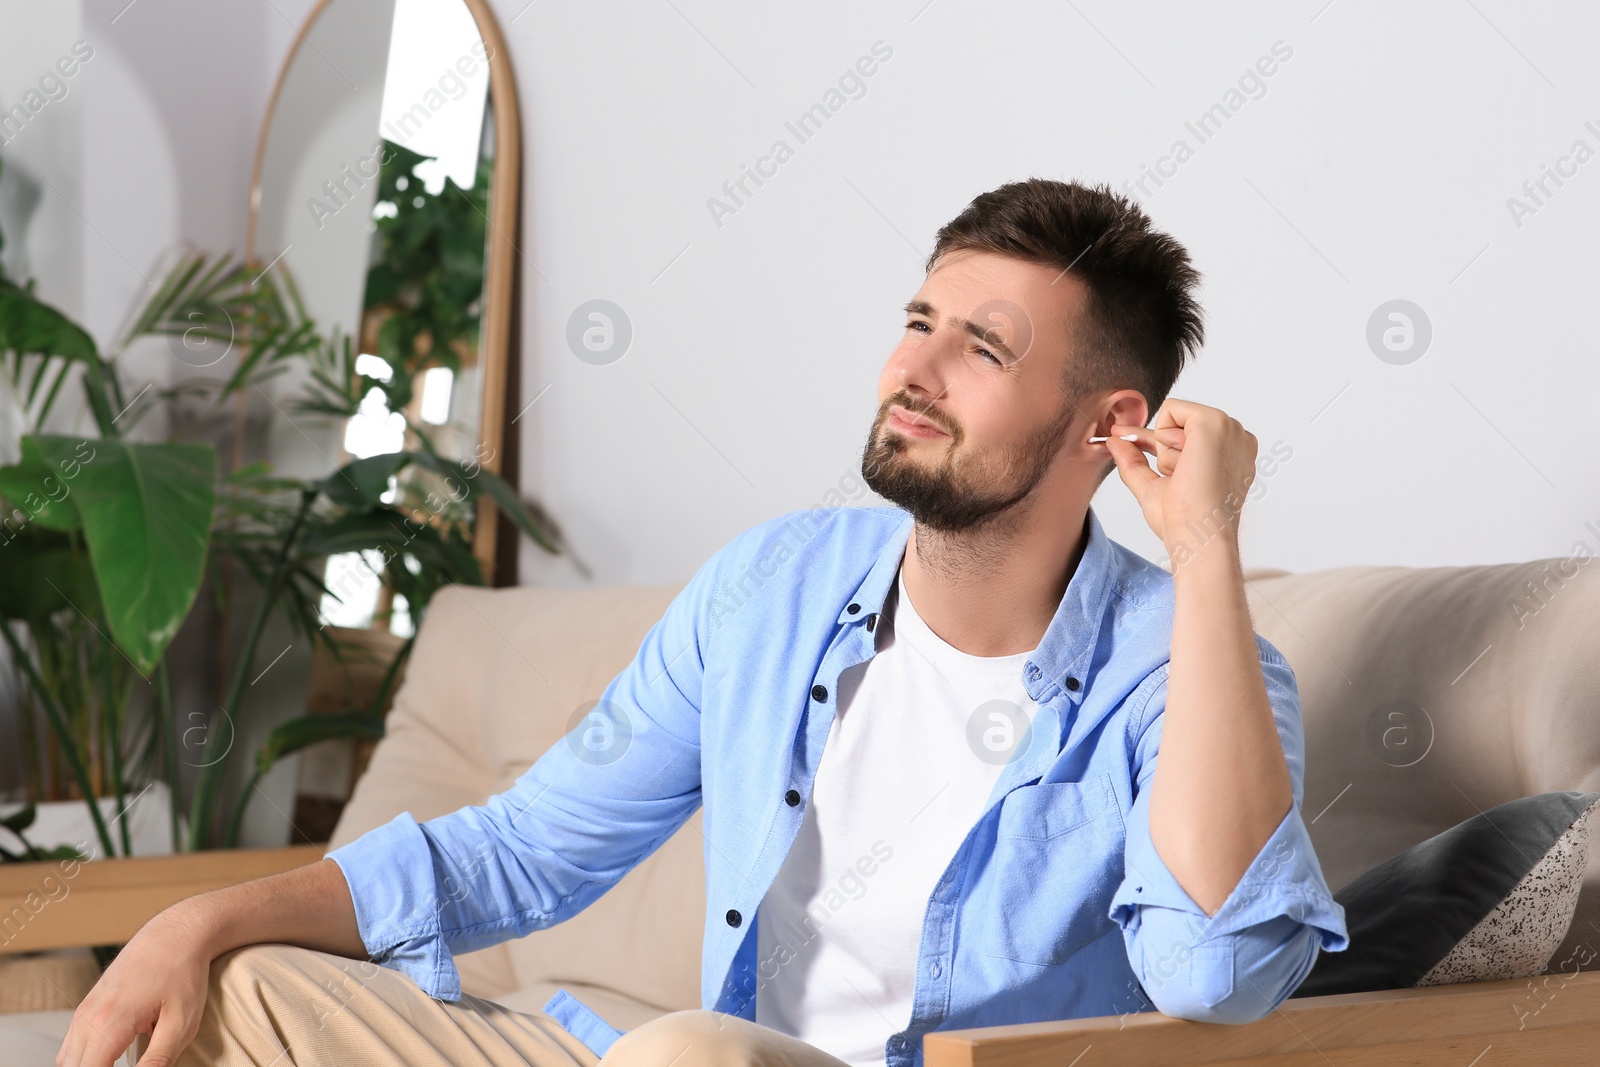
1552 1020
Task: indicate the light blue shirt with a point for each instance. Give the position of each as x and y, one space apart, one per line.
1056 904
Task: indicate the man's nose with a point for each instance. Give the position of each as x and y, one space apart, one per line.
925 367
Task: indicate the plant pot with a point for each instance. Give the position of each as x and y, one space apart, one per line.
67 822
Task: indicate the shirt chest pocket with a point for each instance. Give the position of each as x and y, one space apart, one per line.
1059 847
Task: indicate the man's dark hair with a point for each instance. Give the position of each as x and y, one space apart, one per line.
1141 321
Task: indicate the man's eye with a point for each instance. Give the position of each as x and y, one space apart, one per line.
912 325
985 352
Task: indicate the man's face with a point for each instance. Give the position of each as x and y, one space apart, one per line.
986 342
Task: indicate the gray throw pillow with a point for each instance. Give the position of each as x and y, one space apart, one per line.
1487 899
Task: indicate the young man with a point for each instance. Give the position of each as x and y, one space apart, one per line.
965 761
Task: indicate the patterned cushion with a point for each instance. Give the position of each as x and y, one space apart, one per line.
1490 898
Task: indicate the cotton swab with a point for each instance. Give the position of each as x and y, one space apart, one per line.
1125 437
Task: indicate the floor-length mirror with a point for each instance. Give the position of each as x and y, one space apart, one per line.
383 205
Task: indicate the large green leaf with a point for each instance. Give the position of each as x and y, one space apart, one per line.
19 821
360 484
38 580
147 518
33 328
388 531
43 492
39 345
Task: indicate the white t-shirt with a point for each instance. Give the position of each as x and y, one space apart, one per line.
915 749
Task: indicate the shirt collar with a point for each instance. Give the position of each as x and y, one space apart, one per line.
868 599
1068 645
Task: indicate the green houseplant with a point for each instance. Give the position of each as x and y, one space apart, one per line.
425 284
105 540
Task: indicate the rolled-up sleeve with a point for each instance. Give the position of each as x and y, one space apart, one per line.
594 805
1240 963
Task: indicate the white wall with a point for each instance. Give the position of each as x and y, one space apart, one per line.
42 145
1376 166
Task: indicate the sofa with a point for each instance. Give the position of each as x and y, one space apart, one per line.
1428 695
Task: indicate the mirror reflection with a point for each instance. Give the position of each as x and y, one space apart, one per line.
372 199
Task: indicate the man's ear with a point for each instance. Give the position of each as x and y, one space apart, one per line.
1125 406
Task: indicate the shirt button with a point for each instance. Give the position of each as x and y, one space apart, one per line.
934 969
897 1042
819 693
853 608
792 798
872 622
1033 672
734 918
1072 683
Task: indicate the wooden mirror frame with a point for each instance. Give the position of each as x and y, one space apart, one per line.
496 345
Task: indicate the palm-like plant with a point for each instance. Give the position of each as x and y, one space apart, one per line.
104 541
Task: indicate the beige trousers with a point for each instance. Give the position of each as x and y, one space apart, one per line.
292 1007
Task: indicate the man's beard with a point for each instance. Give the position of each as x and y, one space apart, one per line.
958 493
